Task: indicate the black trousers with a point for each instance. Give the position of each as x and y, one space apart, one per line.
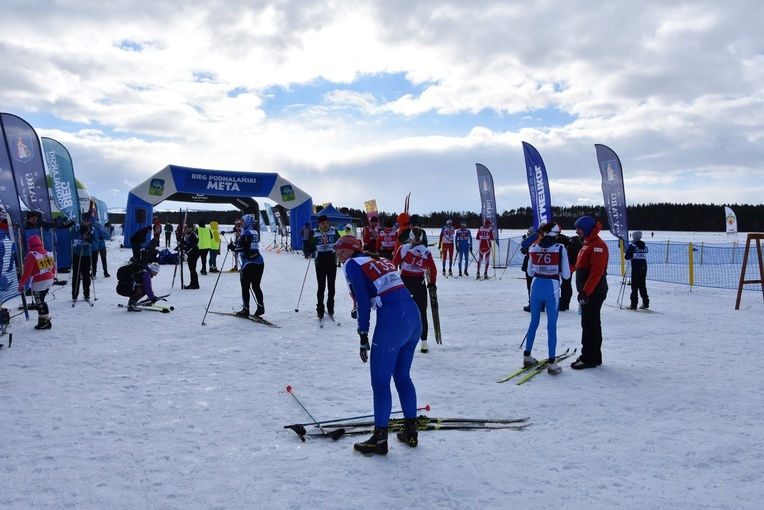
591 329
81 270
639 286
566 293
250 277
193 258
418 290
326 274
100 253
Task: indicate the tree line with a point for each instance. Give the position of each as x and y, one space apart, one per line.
661 216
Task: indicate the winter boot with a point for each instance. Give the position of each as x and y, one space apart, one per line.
645 305
132 307
460 273
409 434
423 346
244 312
444 272
528 360
450 273
375 444
466 273
478 276
485 276
553 368
260 310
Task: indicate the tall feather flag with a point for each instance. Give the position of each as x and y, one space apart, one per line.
538 185
62 181
26 161
613 191
8 195
487 199
730 220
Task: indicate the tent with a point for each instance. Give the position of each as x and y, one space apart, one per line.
336 218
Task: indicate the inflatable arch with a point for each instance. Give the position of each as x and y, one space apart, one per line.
183 184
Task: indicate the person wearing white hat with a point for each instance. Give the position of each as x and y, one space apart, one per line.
637 253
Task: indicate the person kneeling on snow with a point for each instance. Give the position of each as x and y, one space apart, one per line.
40 268
138 285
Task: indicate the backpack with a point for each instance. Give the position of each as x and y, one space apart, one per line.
126 272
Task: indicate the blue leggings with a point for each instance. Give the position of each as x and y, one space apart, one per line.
395 339
544 291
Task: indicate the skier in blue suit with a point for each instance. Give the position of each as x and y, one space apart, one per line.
377 285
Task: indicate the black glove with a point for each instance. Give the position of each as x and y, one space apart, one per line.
364 345
432 286
354 313
154 300
583 299
231 246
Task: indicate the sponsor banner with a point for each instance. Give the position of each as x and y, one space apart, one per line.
538 185
63 184
27 163
487 199
730 220
371 210
613 191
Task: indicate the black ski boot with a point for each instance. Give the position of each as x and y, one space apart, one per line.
375 444
43 323
409 434
260 310
244 312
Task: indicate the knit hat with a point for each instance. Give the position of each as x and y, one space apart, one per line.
348 243
550 229
636 235
35 243
154 268
585 223
323 217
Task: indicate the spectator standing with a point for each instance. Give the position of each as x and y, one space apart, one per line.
637 253
591 284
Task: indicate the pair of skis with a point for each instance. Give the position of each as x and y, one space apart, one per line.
148 306
331 318
423 422
532 370
253 318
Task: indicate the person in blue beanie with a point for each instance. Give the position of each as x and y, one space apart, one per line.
591 283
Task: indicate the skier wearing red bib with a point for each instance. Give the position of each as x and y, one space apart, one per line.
378 286
485 236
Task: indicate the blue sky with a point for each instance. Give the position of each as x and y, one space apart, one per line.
358 100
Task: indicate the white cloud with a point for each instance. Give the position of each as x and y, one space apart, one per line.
675 90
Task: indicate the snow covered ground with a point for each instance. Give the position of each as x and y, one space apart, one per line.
118 410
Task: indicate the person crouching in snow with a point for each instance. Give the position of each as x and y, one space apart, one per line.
138 286
40 268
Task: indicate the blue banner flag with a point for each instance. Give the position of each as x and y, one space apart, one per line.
487 199
26 161
538 185
8 195
62 181
271 217
613 192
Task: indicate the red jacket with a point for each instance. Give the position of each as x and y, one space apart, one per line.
38 264
591 265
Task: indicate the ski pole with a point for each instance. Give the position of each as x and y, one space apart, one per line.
302 436
523 342
297 308
206 310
